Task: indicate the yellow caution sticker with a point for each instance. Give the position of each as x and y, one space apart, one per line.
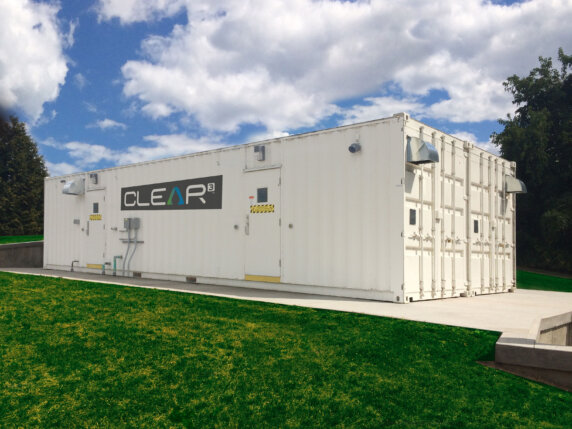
266 279
94 266
95 217
262 208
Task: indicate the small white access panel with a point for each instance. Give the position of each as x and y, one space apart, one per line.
262 228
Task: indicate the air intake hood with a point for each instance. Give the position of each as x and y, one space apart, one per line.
420 152
74 187
513 185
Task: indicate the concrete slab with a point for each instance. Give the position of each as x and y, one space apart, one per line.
513 314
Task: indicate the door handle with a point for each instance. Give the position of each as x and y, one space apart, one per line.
247 225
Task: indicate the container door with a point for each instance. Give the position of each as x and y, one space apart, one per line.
454 222
418 233
262 252
94 250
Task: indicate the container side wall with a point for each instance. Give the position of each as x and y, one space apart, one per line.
341 211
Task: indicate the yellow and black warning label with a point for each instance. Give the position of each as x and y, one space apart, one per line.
95 217
262 208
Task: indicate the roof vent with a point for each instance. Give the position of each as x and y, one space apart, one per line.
420 152
74 187
513 185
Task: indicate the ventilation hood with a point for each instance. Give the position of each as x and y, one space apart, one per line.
74 187
513 185
420 152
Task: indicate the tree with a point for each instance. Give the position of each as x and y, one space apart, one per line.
22 173
539 139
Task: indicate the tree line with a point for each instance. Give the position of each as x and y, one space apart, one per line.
22 173
539 139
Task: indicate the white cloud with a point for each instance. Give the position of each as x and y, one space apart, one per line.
258 137
382 107
32 63
45 117
287 64
130 11
68 38
61 168
107 123
90 107
50 142
165 146
80 80
470 137
87 156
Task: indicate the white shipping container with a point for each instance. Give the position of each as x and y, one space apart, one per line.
390 210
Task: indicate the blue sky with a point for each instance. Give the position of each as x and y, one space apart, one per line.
109 82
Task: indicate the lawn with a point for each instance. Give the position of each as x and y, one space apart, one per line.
86 354
20 238
526 280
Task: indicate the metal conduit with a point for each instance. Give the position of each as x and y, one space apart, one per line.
133 252
127 251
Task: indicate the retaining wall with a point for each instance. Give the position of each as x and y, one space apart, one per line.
22 255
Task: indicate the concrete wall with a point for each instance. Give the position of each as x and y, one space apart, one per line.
556 330
22 255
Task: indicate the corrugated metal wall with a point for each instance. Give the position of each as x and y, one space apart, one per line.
462 242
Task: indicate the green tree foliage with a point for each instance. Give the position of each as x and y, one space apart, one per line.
22 173
539 139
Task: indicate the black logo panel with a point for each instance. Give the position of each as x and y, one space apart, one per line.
192 194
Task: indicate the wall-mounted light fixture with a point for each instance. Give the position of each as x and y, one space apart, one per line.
354 147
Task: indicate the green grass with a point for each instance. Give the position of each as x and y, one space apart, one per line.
20 238
85 354
526 280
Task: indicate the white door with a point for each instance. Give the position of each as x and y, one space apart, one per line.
262 244
94 249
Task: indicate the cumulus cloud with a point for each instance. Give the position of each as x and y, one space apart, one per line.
32 63
86 156
288 64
